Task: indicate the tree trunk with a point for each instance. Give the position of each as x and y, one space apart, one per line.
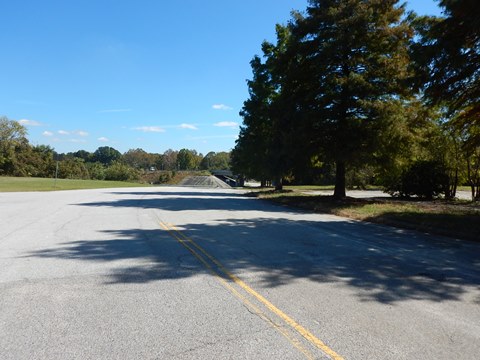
339 192
278 184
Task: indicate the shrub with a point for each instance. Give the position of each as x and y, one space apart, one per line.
425 179
121 172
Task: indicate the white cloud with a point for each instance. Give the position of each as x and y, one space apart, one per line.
103 139
221 107
47 133
63 132
114 110
81 133
156 129
26 122
188 126
226 124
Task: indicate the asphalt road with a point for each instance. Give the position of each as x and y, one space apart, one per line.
183 273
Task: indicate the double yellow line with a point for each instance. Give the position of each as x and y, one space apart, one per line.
225 277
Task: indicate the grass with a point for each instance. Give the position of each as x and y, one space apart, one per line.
10 184
459 219
318 187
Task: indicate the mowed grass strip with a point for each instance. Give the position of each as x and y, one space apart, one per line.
453 219
11 184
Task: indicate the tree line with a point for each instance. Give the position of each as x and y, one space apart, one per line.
357 92
19 158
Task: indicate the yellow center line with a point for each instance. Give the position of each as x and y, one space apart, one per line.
287 319
253 307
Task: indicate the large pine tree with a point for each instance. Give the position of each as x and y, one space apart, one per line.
355 55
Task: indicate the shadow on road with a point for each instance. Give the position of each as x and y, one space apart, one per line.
381 264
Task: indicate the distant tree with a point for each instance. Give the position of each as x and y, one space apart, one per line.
13 141
139 159
106 155
188 159
168 160
216 161
82 154
43 162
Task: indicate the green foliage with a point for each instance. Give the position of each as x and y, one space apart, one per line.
425 179
12 143
332 87
355 54
360 177
453 46
165 176
215 161
118 171
140 159
96 171
188 159
106 155
261 150
73 168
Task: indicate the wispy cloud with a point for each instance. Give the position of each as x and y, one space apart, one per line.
47 133
103 139
63 132
80 133
226 124
221 107
156 129
114 110
188 126
26 122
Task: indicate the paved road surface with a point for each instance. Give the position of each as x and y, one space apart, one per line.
179 273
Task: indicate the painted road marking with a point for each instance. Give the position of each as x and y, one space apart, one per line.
222 274
176 234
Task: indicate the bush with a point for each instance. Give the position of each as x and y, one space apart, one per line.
425 179
96 170
121 172
164 177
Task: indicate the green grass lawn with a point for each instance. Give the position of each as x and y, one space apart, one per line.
460 219
9 184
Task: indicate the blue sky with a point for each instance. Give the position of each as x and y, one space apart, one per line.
150 74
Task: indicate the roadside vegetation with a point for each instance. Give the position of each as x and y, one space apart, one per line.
10 184
18 158
357 93
457 219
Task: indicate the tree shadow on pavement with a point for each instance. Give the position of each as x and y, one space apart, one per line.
381 264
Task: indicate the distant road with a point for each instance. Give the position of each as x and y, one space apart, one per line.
196 273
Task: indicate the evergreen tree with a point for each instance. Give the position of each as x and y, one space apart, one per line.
261 149
355 55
